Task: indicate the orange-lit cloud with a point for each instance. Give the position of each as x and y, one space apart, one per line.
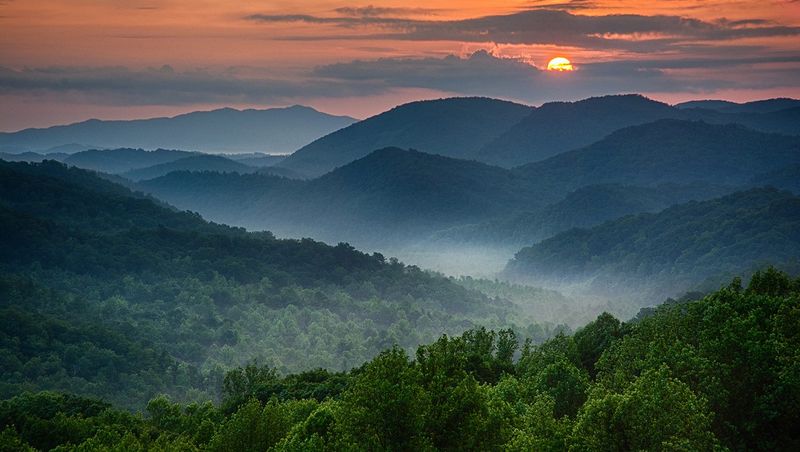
101 56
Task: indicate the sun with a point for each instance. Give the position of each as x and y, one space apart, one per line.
560 64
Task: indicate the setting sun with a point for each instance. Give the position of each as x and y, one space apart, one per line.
559 64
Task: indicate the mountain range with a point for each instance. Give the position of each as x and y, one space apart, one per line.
507 135
274 130
395 195
455 127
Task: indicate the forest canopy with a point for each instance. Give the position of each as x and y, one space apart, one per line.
718 373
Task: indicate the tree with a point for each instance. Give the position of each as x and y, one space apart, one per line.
385 407
656 412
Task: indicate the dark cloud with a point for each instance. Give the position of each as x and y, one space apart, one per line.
478 74
485 74
378 11
570 5
547 26
166 86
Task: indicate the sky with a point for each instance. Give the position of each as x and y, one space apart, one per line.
63 61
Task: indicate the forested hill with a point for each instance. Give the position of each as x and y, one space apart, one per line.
124 159
455 127
391 195
717 373
558 127
666 151
673 250
588 206
120 297
203 162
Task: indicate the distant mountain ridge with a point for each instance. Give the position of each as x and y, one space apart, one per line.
201 162
115 161
389 194
759 106
394 195
559 127
507 135
278 130
666 151
454 127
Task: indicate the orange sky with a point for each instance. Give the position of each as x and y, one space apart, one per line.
67 60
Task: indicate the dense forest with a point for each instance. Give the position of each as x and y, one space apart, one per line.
649 300
718 373
115 295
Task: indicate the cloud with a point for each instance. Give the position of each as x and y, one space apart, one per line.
166 86
549 26
487 75
378 11
480 74
569 5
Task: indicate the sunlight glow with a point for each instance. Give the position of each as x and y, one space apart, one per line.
560 64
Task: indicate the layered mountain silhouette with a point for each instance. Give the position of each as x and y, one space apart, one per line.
759 106
202 162
387 195
456 127
115 161
585 207
505 134
277 130
557 127
395 195
666 151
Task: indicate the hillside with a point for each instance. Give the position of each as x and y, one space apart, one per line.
585 207
206 162
558 127
279 130
674 250
456 127
258 159
390 195
711 373
139 299
666 151
115 161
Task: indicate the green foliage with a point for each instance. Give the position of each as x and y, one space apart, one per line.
656 412
385 405
595 338
206 304
110 294
719 373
